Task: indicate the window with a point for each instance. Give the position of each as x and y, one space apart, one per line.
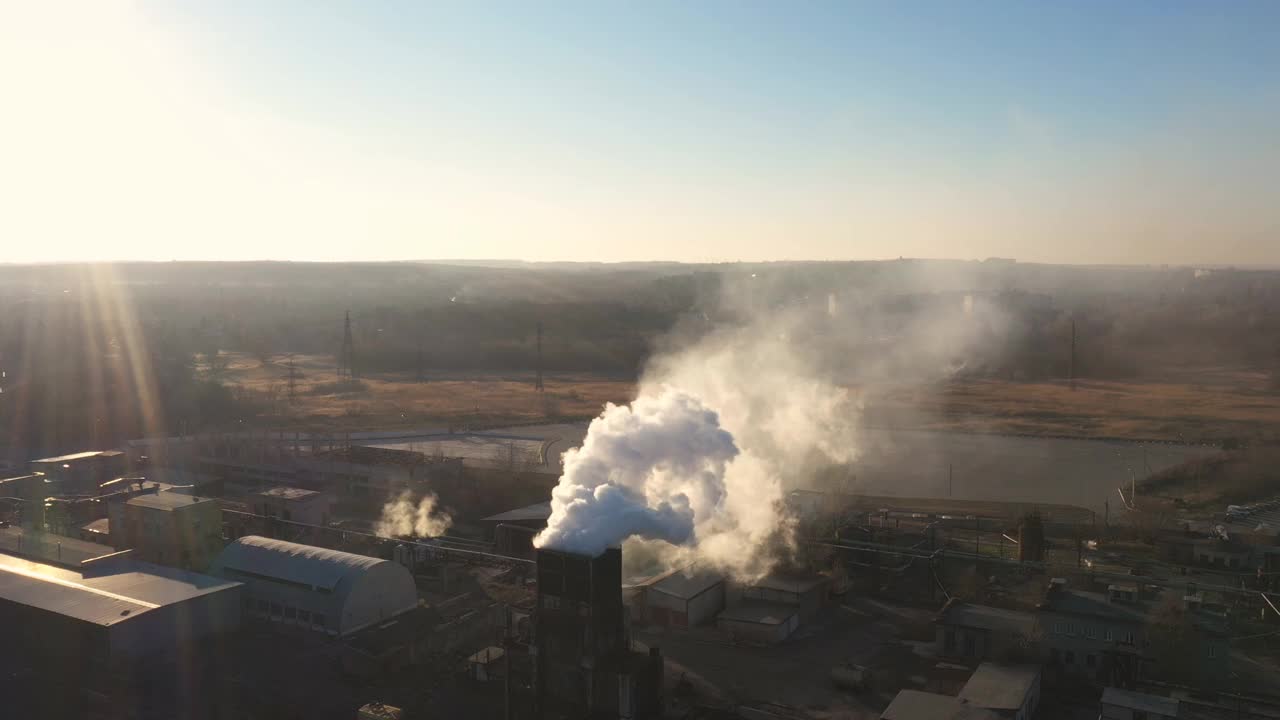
1106 635
1071 657
1128 638
1091 660
1090 632
1057 628
969 649
1213 651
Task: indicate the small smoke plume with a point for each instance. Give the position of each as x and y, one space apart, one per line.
403 516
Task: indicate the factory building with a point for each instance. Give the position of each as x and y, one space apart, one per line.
169 528
109 613
311 589
585 664
293 504
685 598
81 472
770 609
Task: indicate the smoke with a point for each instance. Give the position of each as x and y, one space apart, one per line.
695 469
402 516
654 469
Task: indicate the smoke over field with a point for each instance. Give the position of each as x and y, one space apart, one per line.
695 467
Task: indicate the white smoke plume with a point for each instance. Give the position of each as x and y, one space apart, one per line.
654 469
696 468
402 516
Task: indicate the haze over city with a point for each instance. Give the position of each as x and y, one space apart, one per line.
1138 132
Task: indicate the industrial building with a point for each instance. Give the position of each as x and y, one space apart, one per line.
685 598
1009 691
980 632
81 472
585 664
169 528
110 611
293 504
312 589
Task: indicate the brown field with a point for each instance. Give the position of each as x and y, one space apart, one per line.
389 401
1210 405
1200 406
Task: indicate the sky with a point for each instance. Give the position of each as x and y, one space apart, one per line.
1081 132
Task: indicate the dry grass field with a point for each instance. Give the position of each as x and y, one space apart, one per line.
1209 405
387 401
1205 405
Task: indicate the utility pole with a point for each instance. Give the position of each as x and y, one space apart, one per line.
538 382
419 363
1072 371
950 476
347 358
292 379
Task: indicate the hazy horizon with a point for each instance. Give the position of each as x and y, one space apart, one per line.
1133 134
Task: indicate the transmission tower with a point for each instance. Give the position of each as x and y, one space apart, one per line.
292 379
347 358
537 383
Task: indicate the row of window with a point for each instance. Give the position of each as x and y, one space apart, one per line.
1090 632
275 611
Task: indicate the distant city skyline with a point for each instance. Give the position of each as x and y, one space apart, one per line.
1083 133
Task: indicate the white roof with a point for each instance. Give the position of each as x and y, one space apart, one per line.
292 562
79 456
166 500
106 592
1000 687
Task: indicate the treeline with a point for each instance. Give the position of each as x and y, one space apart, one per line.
105 352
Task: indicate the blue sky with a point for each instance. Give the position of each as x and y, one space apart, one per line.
1065 132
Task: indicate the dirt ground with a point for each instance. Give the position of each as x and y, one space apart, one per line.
1195 405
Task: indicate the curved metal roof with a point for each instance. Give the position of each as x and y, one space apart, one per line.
302 564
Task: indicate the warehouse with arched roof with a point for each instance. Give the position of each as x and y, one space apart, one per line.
313 588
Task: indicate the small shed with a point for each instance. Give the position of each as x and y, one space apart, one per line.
760 622
1009 691
487 664
685 599
1120 704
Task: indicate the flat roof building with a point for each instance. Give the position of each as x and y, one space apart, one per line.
1009 691
315 589
920 705
685 598
170 528
110 610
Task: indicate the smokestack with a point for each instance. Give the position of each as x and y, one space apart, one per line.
579 629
